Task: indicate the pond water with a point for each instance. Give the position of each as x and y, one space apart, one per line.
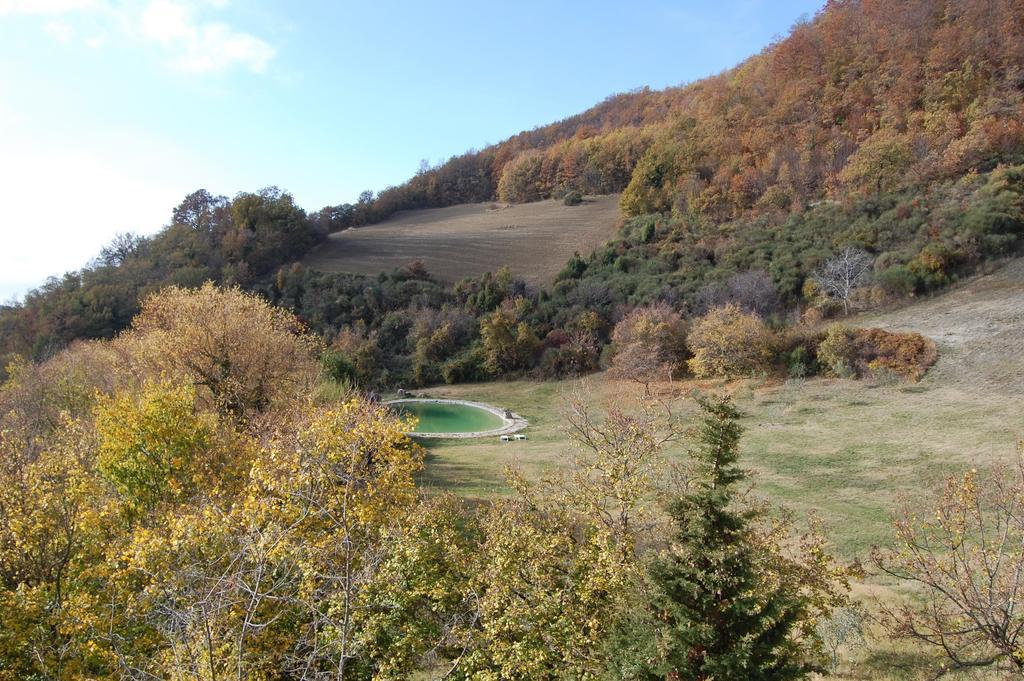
448 417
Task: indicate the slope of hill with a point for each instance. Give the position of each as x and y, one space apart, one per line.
868 96
534 240
897 128
979 328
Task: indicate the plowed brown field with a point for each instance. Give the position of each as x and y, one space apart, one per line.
535 239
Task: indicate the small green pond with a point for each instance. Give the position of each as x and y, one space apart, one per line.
448 417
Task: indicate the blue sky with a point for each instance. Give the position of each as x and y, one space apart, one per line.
110 111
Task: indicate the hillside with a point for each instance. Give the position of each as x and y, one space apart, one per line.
798 282
896 128
866 97
980 331
534 240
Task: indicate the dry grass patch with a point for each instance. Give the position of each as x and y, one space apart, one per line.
534 239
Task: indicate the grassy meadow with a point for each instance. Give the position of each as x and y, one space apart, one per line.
846 451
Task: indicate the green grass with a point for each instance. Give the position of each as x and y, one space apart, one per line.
842 450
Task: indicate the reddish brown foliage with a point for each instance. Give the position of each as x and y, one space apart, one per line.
907 354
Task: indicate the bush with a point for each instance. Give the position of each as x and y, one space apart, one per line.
837 352
897 281
933 265
577 356
908 354
848 353
572 198
753 291
466 367
338 367
799 363
730 342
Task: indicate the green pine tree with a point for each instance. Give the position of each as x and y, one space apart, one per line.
713 609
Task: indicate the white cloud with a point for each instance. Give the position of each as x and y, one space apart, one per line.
165 22
218 46
61 31
45 7
190 42
202 47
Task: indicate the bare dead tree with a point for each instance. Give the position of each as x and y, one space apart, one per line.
753 291
841 275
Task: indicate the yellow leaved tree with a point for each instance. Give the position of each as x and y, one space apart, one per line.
239 352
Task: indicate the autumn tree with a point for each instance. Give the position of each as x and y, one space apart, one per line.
615 464
419 608
521 179
237 350
51 536
964 552
650 345
557 558
157 446
730 342
509 343
276 579
880 163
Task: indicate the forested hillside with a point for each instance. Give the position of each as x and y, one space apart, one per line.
868 96
893 128
209 238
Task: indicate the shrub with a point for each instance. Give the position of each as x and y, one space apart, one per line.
650 344
898 281
798 362
837 352
908 354
577 356
753 291
572 198
932 266
338 367
466 367
730 342
848 353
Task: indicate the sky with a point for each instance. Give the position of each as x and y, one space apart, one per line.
112 111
